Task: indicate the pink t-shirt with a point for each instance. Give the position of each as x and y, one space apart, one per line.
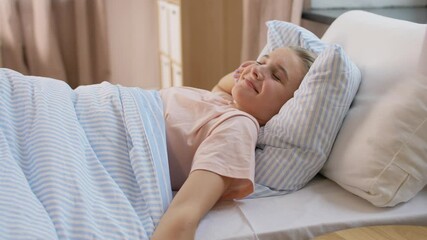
204 131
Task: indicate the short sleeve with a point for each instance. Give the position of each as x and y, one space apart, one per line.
229 150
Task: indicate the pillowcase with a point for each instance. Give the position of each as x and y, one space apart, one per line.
282 34
293 146
380 153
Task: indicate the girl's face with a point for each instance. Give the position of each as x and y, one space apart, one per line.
266 85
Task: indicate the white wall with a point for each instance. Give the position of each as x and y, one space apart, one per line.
133 34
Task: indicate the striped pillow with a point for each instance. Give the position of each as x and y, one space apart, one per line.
282 34
293 146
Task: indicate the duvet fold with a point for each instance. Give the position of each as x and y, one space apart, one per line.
89 163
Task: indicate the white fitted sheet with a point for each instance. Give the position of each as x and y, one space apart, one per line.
321 207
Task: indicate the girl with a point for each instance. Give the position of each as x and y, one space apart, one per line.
211 136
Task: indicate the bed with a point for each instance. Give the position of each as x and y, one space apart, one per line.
320 207
329 202
91 163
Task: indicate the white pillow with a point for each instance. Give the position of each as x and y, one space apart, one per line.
381 151
293 146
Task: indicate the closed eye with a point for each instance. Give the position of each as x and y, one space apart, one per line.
276 77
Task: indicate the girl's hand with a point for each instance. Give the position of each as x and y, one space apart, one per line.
239 70
227 82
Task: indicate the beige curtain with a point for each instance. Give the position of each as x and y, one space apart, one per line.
256 13
63 39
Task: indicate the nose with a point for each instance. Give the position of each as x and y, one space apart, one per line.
257 72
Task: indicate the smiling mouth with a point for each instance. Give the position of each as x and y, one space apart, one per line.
251 85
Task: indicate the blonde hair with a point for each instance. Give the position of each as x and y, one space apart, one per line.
305 55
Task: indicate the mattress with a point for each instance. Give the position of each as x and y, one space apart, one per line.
321 207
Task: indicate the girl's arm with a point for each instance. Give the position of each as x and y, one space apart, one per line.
197 196
225 84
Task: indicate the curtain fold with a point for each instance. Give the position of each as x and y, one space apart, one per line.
62 39
256 13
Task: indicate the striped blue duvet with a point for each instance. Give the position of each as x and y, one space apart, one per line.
89 163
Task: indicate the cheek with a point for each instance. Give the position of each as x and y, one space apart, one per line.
275 88
278 95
